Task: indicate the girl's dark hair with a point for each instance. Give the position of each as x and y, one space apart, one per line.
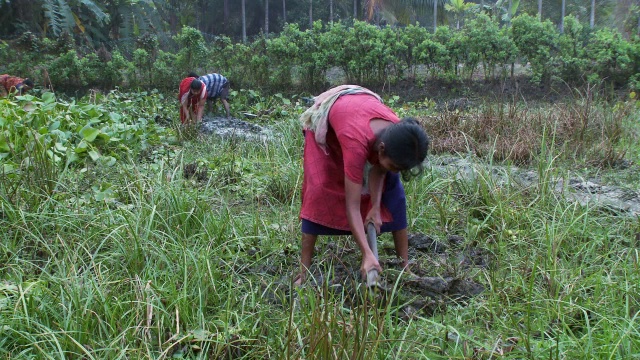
406 144
196 84
192 74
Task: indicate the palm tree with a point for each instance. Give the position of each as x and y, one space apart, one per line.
458 8
434 3
330 11
564 3
284 11
540 10
244 23
266 18
435 15
225 12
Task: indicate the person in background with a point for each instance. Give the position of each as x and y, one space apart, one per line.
192 96
217 88
346 128
13 84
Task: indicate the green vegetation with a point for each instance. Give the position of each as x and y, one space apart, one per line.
122 238
298 60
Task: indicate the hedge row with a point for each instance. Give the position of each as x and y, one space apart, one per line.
367 54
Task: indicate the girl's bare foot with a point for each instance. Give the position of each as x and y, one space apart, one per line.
298 280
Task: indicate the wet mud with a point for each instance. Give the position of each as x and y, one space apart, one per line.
442 273
234 127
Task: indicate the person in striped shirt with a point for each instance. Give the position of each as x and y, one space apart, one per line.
217 88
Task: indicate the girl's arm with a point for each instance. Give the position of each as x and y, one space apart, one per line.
186 111
353 197
200 107
376 184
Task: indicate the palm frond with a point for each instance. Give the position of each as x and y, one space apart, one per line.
59 16
99 14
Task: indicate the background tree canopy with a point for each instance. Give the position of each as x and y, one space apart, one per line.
97 22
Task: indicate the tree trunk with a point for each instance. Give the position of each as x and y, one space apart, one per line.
266 18
564 4
592 20
310 14
435 15
355 9
540 10
284 11
226 16
330 11
244 23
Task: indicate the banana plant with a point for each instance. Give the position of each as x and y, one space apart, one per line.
508 8
66 15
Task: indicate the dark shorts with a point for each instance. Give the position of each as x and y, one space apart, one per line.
224 93
393 198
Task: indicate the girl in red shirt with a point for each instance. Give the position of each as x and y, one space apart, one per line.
360 129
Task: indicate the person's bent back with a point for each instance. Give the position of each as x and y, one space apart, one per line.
13 84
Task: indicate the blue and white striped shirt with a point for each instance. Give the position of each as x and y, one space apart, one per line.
215 83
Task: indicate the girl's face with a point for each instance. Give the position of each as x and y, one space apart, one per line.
385 161
387 164
195 92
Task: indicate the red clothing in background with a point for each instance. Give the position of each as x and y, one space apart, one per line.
185 86
10 83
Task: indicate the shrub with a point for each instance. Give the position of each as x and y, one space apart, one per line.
535 41
489 45
193 52
609 55
571 57
164 74
407 40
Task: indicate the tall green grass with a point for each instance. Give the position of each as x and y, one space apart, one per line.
175 267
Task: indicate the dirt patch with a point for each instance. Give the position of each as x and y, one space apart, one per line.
442 274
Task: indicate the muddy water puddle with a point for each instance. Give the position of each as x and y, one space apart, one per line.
233 127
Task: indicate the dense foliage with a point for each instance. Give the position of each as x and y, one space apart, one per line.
366 53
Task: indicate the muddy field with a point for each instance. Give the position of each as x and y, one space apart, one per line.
441 273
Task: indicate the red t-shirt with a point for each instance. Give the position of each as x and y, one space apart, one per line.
350 145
